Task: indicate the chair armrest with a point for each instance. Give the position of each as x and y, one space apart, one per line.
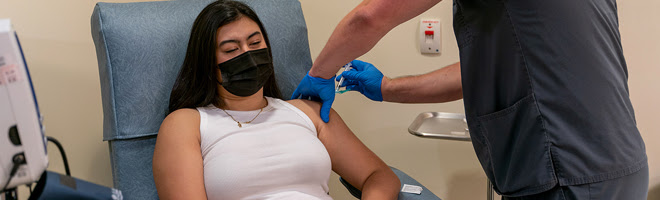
351 189
405 179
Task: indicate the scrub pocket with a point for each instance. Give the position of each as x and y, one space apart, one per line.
513 149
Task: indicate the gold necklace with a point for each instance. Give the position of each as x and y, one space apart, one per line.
255 117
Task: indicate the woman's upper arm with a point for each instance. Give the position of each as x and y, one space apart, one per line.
350 158
177 163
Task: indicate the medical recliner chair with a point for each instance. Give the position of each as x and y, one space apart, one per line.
140 48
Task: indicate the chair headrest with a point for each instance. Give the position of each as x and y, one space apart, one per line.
140 48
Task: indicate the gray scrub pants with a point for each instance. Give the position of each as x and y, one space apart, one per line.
632 187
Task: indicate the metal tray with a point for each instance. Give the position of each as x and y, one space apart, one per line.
440 125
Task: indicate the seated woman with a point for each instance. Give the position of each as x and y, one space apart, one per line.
230 136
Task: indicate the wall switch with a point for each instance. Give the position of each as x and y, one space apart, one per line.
430 39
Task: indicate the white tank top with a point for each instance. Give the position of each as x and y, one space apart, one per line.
277 156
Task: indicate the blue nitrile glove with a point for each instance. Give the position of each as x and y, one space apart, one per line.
317 89
365 78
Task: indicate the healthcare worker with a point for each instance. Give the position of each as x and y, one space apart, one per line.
544 85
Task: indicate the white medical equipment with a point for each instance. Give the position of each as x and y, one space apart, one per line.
23 155
430 40
23 152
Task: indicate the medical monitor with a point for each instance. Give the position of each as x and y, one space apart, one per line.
21 133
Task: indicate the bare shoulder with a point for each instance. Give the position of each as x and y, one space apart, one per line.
183 115
181 123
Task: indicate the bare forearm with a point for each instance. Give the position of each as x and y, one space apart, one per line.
354 36
381 185
360 30
442 85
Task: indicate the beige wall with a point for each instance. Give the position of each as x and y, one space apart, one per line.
59 50
448 168
56 39
641 44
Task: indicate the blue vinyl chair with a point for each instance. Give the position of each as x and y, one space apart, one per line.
140 48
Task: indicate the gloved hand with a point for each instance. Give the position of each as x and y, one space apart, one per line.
317 89
365 78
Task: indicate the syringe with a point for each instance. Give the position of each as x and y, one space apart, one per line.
346 68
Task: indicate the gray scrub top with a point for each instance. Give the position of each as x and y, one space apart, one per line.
545 92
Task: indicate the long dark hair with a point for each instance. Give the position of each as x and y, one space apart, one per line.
197 82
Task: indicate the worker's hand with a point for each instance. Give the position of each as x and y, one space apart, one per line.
317 89
365 78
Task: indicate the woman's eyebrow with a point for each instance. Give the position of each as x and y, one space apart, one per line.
236 41
227 41
254 34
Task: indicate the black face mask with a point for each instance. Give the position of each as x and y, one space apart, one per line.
245 74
